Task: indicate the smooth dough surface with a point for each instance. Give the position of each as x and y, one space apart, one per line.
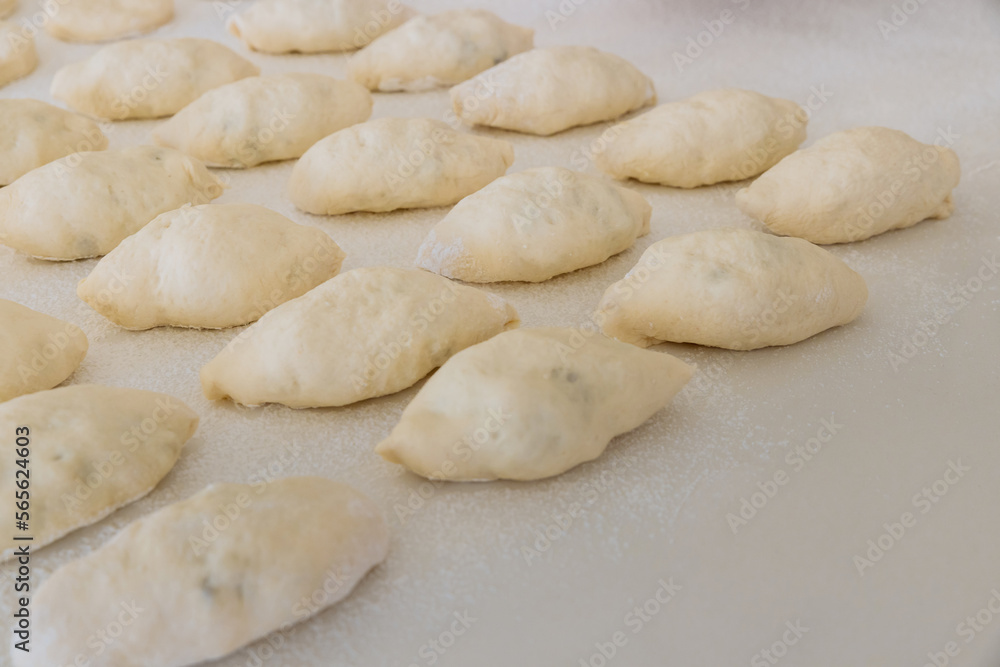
37 351
733 288
212 266
7 8
442 50
715 136
314 26
368 332
205 594
148 78
529 404
392 163
852 185
105 20
18 56
533 225
92 450
85 204
33 133
260 119
544 91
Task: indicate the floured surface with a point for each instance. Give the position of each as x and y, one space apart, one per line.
660 510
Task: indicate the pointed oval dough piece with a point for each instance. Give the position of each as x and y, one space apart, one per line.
314 26
544 91
18 57
443 50
715 136
392 163
732 288
529 404
106 20
148 78
7 7
93 449
217 589
83 205
368 332
853 185
534 225
37 351
266 118
34 133
211 266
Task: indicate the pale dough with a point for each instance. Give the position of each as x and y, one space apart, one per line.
260 119
205 576
544 91
83 205
18 57
313 26
431 51
392 163
852 185
7 7
37 351
732 288
148 78
715 136
368 332
106 20
34 133
92 450
529 404
534 225
212 266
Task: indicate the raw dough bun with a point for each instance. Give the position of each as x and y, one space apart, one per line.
733 288
85 204
93 449
392 163
368 332
18 57
206 592
530 404
106 20
545 91
37 351
715 136
267 118
148 78
534 225
313 26
34 133
211 266
442 50
853 185
7 7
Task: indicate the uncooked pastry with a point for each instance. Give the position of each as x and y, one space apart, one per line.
368 332
18 57
210 266
92 450
7 7
105 20
715 136
313 26
34 133
260 119
202 577
442 50
529 404
148 78
37 351
534 225
544 91
853 185
83 205
392 163
733 288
